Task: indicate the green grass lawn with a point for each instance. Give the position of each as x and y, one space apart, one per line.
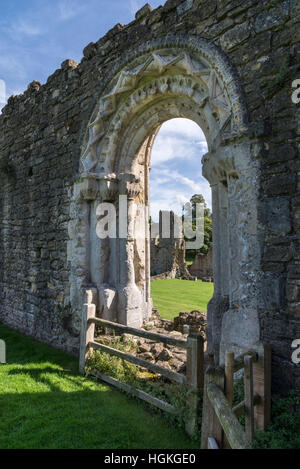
171 297
45 404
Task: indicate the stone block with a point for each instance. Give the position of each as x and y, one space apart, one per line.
281 184
235 36
276 216
185 6
293 291
270 19
277 253
144 11
273 293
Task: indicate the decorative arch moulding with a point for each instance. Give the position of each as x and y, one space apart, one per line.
176 66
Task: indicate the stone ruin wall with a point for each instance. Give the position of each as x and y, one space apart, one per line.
41 133
167 253
202 267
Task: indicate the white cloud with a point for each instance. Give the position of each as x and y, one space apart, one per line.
69 8
39 22
23 27
176 167
2 92
184 127
176 176
178 138
10 64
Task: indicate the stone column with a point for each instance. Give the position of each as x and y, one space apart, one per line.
131 303
84 194
214 169
240 325
108 258
219 303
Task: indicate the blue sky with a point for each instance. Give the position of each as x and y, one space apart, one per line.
37 35
176 172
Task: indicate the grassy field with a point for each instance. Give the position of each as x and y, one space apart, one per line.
171 297
45 404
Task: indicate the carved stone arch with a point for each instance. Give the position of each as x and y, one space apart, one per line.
166 78
213 78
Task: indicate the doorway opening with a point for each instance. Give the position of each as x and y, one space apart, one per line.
181 271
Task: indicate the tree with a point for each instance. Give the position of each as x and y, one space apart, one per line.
199 199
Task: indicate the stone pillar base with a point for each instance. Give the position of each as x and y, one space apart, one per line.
240 331
108 303
216 308
131 306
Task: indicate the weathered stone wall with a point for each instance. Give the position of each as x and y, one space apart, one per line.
167 250
41 137
202 267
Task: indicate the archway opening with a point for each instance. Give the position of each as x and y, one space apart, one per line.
181 269
180 78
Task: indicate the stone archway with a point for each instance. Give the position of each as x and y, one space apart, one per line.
174 77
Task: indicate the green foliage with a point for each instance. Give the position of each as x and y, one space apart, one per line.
284 432
281 79
207 244
239 396
114 366
284 73
171 297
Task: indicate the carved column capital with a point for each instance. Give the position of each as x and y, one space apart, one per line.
218 165
209 170
109 189
130 185
90 187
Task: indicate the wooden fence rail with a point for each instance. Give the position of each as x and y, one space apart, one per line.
220 425
194 346
167 340
171 375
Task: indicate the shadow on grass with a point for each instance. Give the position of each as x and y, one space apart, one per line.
41 376
44 403
86 419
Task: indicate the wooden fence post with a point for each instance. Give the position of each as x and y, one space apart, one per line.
229 385
233 431
229 377
262 373
249 397
195 379
211 427
87 330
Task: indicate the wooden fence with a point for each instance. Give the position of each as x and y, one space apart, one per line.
194 378
220 425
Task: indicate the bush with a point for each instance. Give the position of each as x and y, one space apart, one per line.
284 431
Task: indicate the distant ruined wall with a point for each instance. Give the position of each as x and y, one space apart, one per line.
168 254
202 267
42 136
